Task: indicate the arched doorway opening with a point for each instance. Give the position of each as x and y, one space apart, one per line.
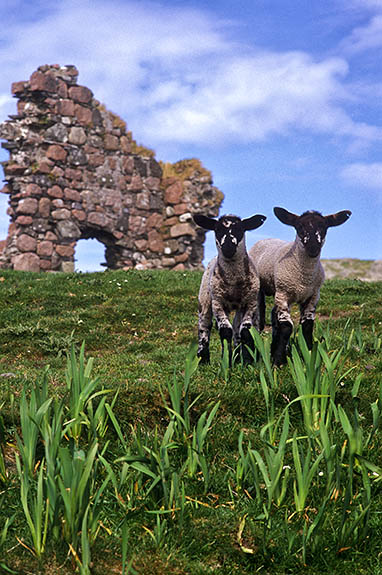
89 256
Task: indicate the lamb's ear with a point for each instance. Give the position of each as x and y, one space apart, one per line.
286 217
204 221
253 222
337 219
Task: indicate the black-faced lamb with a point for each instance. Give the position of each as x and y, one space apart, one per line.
229 283
292 273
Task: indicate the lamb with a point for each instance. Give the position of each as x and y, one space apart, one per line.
292 273
229 283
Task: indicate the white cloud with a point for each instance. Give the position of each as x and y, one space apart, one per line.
364 175
365 38
176 75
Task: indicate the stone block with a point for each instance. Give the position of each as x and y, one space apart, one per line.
65 251
81 94
61 214
83 115
56 153
155 241
44 207
45 248
77 136
40 82
68 229
28 262
182 230
65 107
173 193
55 192
27 206
111 142
24 220
26 243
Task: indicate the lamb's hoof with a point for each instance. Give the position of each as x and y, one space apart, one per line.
204 356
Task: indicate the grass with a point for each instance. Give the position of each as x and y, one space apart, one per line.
162 466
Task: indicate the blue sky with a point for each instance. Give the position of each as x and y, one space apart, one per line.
280 99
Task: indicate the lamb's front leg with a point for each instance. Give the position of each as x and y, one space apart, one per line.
282 327
224 327
249 319
307 317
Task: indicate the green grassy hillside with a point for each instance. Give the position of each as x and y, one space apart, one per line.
142 462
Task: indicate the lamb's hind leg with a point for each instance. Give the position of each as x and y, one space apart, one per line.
204 332
307 317
261 308
250 319
282 328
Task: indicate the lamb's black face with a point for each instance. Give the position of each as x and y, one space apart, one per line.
311 228
229 232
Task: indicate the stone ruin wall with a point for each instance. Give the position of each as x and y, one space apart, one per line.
75 172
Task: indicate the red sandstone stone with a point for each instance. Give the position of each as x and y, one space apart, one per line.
65 251
173 193
24 220
83 115
80 94
182 230
143 201
125 145
58 203
17 87
182 257
96 160
80 215
179 267
61 214
62 89
137 224
136 183
155 220
33 190
152 183
5 189
141 245
29 262
27 206
181 209
45 265
73 174
13 169
55 192
172 221
128 165
97 219
44 207
42 82
65 107
111 142
26 243
50 236
155 241
45 166
72 195
50 102
57 153
45 248
57 172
